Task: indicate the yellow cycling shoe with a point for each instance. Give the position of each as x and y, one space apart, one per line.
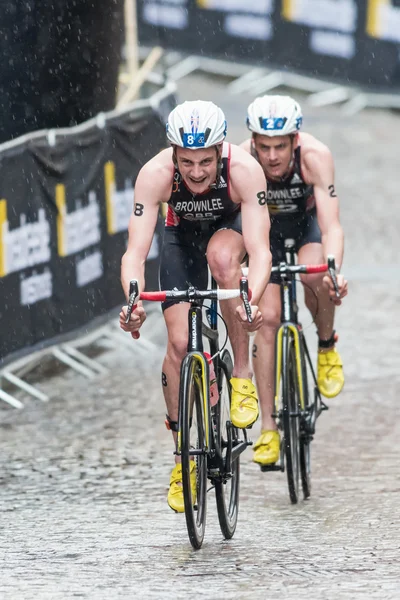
267 447
330 375
175 494
244 404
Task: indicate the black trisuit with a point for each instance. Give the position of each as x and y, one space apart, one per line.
191 221
292 211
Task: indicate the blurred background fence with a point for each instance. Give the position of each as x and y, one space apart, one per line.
343 41
66 198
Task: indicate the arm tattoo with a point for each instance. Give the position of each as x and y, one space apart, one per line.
164 379
138 210
332 192
262 198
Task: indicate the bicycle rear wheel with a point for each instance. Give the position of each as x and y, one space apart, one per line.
305 437
291 415
193 447
227 487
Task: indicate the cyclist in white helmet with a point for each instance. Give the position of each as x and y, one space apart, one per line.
205 182
303 206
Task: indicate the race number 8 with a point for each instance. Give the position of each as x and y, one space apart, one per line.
190 140
139 208
262 198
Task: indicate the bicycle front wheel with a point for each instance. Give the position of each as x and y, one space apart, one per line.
193 448
291 415
227 487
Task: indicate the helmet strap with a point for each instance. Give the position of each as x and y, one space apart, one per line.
219 163
254 152
219 167
291 163
174 159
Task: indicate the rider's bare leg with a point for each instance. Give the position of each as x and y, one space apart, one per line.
263 353
176 319
225 252
316 295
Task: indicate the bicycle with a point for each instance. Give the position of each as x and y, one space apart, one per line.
295 411
205 432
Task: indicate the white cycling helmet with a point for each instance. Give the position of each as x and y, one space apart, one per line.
196 124
274 115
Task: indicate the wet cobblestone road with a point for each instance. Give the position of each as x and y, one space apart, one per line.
83 479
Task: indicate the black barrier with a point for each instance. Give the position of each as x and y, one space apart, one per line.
347 41
65 201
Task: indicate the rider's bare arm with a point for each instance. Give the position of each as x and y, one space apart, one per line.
153 186
319 170
248 183
246 145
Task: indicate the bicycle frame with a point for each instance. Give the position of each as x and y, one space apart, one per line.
210 331
197 329
291 326
289 323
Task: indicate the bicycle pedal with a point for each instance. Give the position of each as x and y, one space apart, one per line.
245 440
250 426
273 467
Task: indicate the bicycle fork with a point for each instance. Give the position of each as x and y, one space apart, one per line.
285 333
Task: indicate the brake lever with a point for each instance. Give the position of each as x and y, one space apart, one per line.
133 295
332 273
244 294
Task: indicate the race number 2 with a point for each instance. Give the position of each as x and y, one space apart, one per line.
332 191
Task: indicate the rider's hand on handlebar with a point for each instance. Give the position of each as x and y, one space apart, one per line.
138 317
256 316
342 287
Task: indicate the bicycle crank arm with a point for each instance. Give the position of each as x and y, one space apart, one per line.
246 440
238 449
228 458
